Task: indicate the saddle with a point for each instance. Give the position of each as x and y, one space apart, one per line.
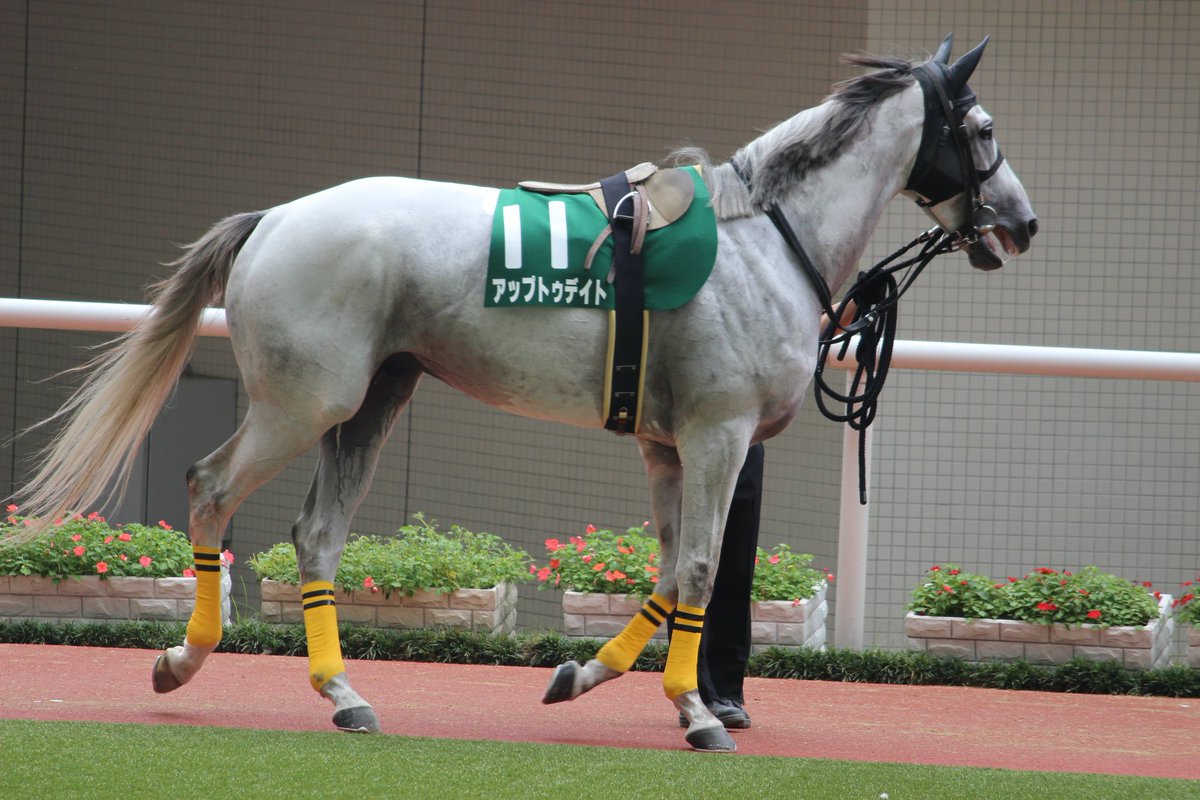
669 192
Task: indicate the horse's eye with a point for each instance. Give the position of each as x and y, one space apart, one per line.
986 133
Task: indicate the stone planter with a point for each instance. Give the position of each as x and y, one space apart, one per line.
1137 648
492 610
92 598
1191 640
772 622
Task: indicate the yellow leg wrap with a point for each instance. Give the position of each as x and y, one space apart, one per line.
320 626
621 651
680 673
204 626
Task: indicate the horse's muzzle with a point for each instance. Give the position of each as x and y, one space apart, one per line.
990 251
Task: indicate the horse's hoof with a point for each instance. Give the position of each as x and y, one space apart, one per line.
711 740
562 683
360 719
162 678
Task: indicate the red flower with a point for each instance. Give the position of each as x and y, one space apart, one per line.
101 567
107 539
123 557
369 583
555 563
543 574
1094 614
145 561
76 537
1045 571
599 567
829 576
188 572
590 528
935 568
1046 605
954 572
552 544
227 558
12 507
124 537
773 559
586 559
80 550
162 524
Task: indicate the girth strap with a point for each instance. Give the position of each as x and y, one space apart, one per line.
627 328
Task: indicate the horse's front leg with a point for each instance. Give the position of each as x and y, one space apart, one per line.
617 655
711 465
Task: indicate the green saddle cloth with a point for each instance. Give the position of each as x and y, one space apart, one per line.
540 242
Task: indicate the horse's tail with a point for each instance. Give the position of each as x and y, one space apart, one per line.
107 418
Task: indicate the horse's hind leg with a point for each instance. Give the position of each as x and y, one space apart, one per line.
267 440
348 455
617 655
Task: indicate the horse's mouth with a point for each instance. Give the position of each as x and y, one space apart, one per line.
993 249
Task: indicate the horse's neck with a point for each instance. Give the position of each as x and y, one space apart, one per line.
836 209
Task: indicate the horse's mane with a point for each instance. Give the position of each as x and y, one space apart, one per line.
789 151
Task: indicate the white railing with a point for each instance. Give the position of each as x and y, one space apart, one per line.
852 532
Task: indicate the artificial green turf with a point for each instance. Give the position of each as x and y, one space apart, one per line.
65 760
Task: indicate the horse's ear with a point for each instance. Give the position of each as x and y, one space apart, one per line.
942 56
960 71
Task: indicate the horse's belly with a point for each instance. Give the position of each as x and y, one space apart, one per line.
540 363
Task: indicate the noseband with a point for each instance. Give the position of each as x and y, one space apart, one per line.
944 167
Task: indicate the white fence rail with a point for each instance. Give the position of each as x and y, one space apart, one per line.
853 531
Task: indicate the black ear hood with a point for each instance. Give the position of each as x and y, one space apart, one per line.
937 174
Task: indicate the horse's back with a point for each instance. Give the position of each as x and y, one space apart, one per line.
333 283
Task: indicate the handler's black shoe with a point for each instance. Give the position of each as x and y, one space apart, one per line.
730 713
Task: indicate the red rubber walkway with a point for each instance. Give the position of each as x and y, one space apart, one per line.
1150 736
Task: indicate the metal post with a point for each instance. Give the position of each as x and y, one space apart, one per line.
852 541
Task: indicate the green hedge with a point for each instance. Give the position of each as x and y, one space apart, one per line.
548 649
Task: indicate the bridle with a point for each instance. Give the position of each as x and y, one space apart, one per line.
943 169
944 166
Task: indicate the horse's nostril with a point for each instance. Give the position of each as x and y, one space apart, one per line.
1033 226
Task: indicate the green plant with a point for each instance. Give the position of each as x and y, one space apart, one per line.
1043 595
602 561
948 591
782 574
89 545
1187 609
419 556
605 562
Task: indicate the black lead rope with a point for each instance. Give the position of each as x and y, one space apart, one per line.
876 295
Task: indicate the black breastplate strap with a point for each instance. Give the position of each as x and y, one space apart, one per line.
627 326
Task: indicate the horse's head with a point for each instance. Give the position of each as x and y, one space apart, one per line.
960 176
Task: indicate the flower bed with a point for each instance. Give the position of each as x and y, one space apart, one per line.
1046 617
1187 616
773 623
1138 647
605 577
491 610
420 578
83 568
